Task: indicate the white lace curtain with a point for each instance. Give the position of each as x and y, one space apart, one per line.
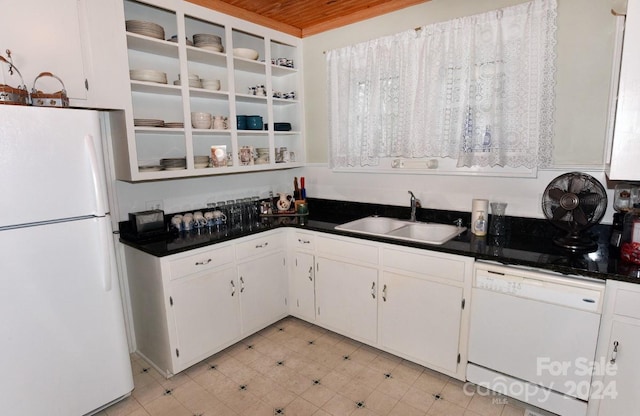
478 89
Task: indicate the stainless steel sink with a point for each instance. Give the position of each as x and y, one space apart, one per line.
422 232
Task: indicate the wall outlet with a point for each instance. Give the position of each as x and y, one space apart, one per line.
154 205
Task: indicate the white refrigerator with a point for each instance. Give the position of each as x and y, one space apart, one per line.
63 348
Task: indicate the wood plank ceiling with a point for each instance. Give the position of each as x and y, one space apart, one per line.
305 17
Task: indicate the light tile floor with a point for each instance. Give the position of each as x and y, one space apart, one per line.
293 368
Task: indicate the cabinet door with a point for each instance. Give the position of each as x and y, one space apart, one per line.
206 313
45 36
263 291
302 287
346 298
626 150
420 319
619 391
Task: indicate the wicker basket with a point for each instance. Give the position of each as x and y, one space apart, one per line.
56 99
11 95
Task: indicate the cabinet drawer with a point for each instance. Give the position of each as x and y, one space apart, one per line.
426 263
627 301
347 248
202 261
304 241
259 245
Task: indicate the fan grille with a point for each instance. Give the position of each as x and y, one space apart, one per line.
574 202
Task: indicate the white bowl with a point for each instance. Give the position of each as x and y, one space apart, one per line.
211 84
201 124
197 115
246 53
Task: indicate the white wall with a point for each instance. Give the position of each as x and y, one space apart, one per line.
585 53
194 193
585 48
524 195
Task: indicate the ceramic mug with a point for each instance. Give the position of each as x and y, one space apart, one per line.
220 123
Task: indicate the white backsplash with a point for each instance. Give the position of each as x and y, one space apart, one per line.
193 193
434 191
446 192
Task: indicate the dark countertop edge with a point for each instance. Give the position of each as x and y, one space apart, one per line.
449 247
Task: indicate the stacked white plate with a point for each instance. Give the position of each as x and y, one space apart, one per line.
208 42
147 122
174 39
150 75
201 162
149 168
174 163
210 84
193 83
141 27
174 125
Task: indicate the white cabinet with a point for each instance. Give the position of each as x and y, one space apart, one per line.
302 275
177 303
347 287
346 298
206 312
263 291
76 40
423 296
626 137
616 382
188 306
147 145
263 279
302 286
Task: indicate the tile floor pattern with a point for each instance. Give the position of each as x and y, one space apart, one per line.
293 368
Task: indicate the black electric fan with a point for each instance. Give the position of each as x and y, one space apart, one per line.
574 202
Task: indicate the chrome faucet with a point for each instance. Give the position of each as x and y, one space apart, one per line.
415 203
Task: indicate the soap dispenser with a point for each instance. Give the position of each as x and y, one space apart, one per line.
479 221
480 225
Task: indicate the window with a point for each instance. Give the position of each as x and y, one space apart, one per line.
478 90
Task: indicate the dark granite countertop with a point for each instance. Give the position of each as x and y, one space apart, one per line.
528 242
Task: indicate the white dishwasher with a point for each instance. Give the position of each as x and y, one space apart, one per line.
533 336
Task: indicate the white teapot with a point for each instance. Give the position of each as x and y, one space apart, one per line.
284 202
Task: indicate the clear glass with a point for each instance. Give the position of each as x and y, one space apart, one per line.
498 225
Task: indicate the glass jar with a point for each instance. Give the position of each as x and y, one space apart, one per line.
630 242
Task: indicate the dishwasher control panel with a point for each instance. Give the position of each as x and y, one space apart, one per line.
560 290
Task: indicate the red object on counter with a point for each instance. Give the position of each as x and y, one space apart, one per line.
630 252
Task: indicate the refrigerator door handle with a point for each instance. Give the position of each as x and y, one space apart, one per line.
96 175
109 252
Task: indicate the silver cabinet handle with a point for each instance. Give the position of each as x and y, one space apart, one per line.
241 284
233 288
202 263
262 245
384 293
301 241
373 290
310 271
614 354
